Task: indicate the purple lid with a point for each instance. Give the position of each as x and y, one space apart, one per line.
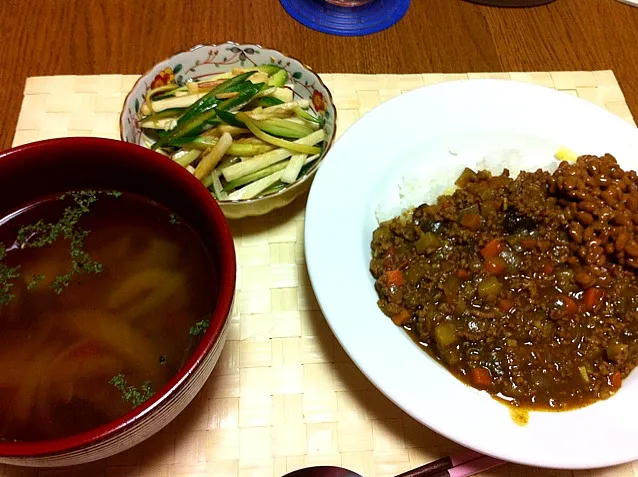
347 21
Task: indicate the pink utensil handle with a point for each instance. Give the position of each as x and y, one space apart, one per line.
441 465
472 467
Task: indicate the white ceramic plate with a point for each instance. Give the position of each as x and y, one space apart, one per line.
412 135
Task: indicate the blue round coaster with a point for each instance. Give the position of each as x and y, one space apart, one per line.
347 21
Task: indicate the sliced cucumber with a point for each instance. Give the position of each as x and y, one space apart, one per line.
210 124
164 124
296 146
255 188
266 171
167 113
243 168
248 150
276 187
230 118
303 114
209 100
269 69
197 123
265 102
278 79
190 127
186 158
284 94
198 142
283 128
202 143
186 101
170 93
242 99
304 170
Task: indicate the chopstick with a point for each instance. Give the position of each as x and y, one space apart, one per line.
463 464
471 468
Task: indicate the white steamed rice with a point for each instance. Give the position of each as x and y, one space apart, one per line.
417 189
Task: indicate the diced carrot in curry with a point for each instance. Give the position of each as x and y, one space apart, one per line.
402 317
496 266
505 305
493 248
394 278
471 221
481 377
592 297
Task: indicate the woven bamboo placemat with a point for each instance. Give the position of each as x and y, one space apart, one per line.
284 394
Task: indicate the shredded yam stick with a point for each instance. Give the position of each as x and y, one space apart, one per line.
229 95
251 140
203 86
151 92
232 130
212 132
213 156
302 103
282 114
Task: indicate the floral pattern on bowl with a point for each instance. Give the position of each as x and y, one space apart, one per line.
206 60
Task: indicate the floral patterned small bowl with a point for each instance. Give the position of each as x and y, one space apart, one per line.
205 60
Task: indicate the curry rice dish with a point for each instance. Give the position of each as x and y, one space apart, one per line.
523 287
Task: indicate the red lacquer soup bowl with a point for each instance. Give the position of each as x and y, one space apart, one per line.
55 166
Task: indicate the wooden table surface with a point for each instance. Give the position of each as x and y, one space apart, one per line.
49 37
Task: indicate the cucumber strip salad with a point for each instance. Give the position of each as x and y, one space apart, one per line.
241 133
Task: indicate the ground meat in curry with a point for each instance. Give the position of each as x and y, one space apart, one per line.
525 287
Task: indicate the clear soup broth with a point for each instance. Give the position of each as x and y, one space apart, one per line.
103 296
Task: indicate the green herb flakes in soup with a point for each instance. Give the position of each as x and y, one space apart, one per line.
100 292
